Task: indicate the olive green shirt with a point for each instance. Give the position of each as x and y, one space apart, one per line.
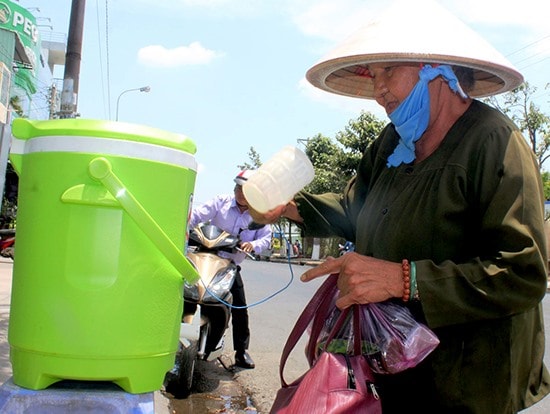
471 218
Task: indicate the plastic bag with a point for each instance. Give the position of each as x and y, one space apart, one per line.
398 340
392 340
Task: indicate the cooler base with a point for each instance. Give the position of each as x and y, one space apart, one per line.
135 375
74 397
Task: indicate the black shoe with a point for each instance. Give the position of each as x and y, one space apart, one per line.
243 360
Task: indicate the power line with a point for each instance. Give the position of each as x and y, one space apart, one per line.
529 57
100 54
529 45
535 63
108 68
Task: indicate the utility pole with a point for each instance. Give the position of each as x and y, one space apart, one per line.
53 101
73 57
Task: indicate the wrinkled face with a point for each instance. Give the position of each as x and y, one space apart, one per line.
393 82
239 196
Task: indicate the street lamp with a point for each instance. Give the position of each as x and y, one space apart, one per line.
142 89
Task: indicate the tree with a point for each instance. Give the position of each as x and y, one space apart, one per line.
534 124
255 161
324 154
8 211
15 104
546 184
335 163
355 138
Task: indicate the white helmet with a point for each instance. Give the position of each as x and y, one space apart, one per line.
243 176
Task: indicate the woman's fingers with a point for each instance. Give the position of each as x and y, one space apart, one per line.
328 267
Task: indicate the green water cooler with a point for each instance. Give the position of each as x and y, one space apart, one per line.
99 269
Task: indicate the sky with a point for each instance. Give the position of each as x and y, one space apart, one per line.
230 74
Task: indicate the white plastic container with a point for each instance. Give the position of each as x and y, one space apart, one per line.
278 180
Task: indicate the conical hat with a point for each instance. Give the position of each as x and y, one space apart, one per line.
413 31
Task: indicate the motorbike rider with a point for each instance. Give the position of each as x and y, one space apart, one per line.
230 213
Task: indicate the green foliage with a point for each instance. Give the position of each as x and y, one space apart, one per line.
324 155
255 161
335 162
534 124
355 138
8 211
15 104
546 184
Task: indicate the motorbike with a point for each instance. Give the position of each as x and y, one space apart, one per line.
7 243
207 305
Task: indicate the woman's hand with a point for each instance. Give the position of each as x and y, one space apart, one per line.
362 279
289 211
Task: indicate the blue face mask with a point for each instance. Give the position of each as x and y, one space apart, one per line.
412 115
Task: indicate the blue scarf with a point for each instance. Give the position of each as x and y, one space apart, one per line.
411 117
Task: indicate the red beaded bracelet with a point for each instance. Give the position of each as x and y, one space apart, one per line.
406 280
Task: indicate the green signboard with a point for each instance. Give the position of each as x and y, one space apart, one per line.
20 21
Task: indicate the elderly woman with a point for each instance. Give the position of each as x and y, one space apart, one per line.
446 212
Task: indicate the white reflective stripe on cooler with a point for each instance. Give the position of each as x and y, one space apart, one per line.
104 146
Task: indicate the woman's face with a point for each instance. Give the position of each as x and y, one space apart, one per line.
393 82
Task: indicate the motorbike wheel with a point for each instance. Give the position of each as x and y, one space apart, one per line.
179 380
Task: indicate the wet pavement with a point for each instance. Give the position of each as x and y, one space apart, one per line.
215 390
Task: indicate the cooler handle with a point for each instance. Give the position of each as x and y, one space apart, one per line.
101 170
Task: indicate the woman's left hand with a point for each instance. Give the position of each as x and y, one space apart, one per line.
362 279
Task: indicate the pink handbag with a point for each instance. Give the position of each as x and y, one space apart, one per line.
335 383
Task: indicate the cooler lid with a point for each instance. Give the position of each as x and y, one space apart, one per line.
26 129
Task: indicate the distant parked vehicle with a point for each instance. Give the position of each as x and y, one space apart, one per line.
7 243
264 255
346 248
